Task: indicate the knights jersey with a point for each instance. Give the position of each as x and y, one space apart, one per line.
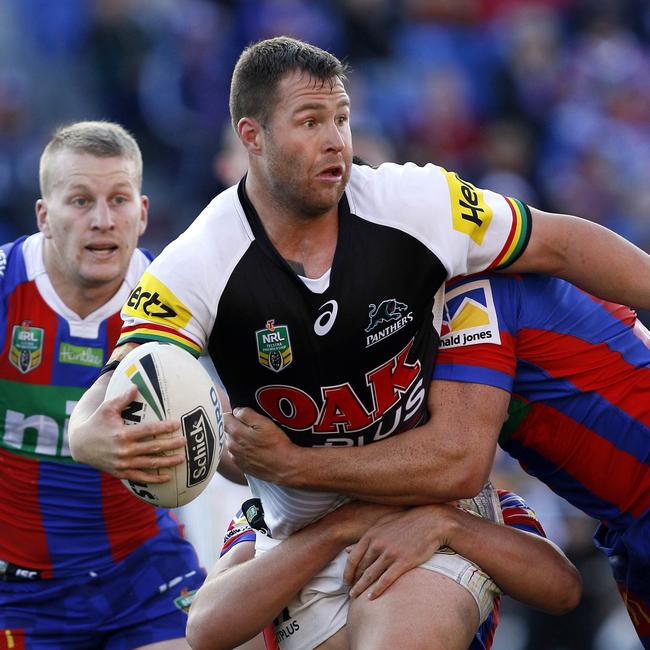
578 369
57 518
516 513
344 360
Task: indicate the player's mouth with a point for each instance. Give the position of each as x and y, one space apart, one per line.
333 173
102 250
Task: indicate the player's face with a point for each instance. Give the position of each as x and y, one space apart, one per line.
91 218
308 144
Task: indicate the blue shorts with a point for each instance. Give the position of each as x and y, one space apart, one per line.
628 553
144 599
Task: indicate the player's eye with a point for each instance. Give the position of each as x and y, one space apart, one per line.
80 201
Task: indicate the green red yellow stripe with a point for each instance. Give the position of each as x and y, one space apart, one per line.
517 237
150 332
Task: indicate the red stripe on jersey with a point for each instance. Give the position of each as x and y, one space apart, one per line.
129 521
235 540
113 328
160 328
496 357
568 451
519 516
511 235
496 607
41 316
12 639
269 638
20 513
601 370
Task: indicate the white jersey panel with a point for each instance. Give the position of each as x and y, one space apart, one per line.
287 510
418 201
191 272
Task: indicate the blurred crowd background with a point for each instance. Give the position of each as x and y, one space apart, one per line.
548 101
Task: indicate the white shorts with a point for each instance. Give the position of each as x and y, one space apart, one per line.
321 608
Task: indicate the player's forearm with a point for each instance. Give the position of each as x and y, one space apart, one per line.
525 566
590 256
234 605
89 402
413 468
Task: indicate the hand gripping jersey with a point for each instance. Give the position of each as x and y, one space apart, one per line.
516 513
57 518
578 369
344 360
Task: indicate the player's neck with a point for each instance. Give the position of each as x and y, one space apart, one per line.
82 299
307 242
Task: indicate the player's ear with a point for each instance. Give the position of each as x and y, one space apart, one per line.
144 214
41 217
250 131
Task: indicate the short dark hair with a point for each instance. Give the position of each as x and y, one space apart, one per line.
99 138
262 66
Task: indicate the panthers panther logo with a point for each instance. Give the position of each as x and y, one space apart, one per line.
386 312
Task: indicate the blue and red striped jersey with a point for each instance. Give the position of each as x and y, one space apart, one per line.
578 369
57 516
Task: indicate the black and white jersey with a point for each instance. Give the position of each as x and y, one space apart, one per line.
343 360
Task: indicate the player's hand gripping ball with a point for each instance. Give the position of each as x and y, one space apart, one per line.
173 385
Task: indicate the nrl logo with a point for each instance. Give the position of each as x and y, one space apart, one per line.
184 601
391 313
274 346
26 351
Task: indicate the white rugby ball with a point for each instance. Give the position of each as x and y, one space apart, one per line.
172 384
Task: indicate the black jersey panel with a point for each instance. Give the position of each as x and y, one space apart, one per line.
347 366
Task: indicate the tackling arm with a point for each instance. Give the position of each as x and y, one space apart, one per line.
548 581
448 458
243 594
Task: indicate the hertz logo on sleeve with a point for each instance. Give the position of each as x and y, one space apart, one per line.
470 214
153 301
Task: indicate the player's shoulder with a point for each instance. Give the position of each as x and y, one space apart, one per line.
13 264
239 531
378 191
517 513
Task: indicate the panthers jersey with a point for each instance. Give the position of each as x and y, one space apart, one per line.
344 360
57 518
578 369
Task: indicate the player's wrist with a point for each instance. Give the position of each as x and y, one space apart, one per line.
297 467
339 528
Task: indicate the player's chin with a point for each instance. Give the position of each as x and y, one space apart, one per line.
101 274
325 198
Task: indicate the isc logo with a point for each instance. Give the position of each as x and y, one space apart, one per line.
200 444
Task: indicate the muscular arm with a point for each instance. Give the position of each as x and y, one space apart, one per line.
243 594
448 458
526 566
578 250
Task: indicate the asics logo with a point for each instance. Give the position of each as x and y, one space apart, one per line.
327 316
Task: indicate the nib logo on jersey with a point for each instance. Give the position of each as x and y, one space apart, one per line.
470 317
386 318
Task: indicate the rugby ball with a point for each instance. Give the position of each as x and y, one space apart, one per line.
172 384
